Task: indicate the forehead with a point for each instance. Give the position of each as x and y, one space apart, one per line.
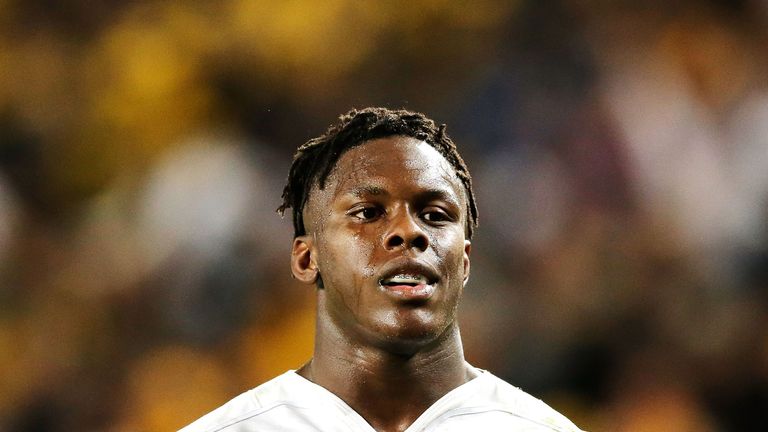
395 165
394 162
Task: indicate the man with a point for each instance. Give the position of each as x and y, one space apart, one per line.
383 213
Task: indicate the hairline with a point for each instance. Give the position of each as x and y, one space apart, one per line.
319 184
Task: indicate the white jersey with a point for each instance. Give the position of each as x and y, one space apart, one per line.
294 404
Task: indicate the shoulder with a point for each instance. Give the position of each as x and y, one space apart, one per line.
507 398
252 404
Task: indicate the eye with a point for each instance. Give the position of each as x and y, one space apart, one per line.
435 215
366 213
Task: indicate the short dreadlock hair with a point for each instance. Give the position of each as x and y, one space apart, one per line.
315 159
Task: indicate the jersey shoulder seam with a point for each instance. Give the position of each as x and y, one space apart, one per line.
249 415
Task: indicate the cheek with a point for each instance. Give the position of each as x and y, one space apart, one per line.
449 249
449 245
348 257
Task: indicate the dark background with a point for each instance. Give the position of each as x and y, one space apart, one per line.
619 153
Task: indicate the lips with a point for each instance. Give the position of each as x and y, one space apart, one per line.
408 280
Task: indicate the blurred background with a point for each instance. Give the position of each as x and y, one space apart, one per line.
619 153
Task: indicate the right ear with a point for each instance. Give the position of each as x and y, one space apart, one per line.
303 264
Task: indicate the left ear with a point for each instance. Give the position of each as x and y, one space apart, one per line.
467 249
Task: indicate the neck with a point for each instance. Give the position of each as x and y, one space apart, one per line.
405 382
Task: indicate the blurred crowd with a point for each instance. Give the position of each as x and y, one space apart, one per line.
619 151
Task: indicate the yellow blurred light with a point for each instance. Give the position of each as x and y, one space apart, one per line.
172 386
268 351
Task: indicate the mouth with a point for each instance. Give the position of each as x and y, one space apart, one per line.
404 279
410 282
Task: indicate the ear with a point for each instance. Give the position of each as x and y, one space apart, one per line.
303 264
467 250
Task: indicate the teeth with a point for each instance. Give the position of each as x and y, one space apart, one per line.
406 279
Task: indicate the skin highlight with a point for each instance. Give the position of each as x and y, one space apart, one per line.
391 206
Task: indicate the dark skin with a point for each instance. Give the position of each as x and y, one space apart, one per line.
392 207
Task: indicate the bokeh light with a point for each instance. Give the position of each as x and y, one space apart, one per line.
618 150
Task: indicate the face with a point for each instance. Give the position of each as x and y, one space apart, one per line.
387 238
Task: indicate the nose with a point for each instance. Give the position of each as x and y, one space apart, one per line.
405 232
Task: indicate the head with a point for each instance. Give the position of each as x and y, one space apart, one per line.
383 213
314 160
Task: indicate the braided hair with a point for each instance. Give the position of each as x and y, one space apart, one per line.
315 159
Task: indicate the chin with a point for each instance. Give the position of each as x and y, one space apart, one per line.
409 336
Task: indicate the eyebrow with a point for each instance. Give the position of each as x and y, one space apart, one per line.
426 195
440 194
360 191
